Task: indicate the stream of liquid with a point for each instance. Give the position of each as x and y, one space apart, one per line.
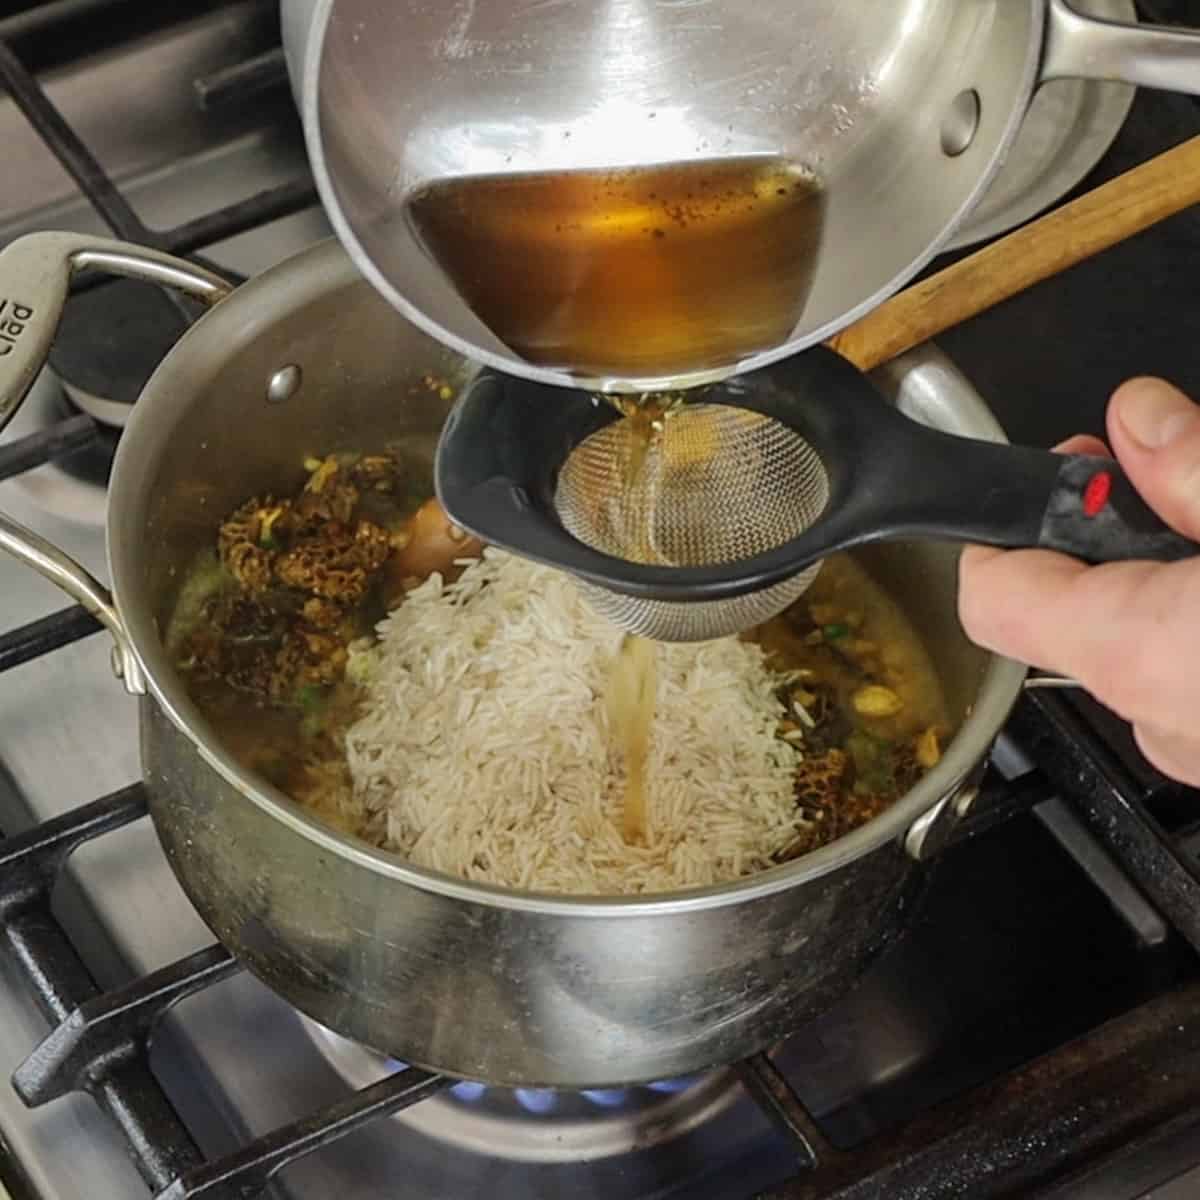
644 272
631 694
633 683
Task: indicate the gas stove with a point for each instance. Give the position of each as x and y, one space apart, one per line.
1036 1034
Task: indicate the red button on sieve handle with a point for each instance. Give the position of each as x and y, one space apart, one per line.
1096 494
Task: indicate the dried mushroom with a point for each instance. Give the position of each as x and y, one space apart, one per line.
300 571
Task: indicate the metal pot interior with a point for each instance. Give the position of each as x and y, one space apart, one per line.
872 98
207 435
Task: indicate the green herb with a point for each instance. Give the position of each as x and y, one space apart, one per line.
311 699
874 773
834 632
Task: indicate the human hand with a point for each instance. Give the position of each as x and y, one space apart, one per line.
1128 632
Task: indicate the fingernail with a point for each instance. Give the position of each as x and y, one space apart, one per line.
1154 413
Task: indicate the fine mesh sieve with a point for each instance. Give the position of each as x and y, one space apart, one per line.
705 484
741 493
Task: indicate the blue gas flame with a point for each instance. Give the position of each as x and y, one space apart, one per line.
543 1101
536 1100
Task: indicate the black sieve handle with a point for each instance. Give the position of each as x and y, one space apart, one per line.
892 477
1016 497
1095 514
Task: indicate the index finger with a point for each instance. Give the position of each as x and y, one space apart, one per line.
1120 629
1084 443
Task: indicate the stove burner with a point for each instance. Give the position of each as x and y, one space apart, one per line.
535 1100
93 464
72 487
540 1124
109 341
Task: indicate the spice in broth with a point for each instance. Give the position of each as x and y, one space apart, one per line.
638 273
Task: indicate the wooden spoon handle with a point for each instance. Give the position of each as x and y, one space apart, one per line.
1116 210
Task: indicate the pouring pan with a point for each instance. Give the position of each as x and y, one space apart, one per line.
903 111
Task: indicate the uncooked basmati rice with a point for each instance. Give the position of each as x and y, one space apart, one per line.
483 746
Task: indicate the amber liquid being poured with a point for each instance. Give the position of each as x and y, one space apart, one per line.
649 272
630 701
633 683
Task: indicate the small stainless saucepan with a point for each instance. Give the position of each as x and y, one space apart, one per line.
503 986
905 110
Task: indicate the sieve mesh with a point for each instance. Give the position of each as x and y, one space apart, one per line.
707 484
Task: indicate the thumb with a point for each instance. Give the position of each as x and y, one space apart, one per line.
1155 432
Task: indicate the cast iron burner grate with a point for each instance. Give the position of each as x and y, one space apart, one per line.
102 375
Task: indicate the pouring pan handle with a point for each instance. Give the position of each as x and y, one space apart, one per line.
1079 47
35 279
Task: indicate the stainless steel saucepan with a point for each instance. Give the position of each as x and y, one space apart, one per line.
476 981
905 110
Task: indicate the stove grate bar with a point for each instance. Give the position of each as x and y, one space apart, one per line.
251 1169
114 1025
118 1078
775 1096
77 160
69 624
45 634
260 209
1111 1093
1111 801
30 861
56 441
106 198
100 1042
244 82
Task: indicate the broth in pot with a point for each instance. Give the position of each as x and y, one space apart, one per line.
278 616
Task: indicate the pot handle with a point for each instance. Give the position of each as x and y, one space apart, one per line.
933 831
49 561
35 279
1079 47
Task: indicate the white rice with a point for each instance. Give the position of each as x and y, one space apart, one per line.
483 747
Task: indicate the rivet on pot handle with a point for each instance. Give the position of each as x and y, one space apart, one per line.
35 278
1079 47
